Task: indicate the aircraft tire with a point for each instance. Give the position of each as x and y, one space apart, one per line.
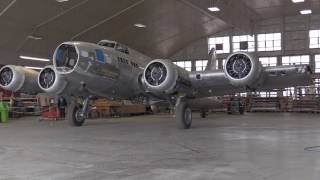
73 115
183 115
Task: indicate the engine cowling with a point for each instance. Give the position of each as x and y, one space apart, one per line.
162 76
50 81
19 79
243 70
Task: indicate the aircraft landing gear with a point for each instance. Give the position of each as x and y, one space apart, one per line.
183 114
77 113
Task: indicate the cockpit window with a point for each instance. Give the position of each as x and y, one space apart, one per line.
107 44
66 56
122 49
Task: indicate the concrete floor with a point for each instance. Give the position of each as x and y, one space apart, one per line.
258 146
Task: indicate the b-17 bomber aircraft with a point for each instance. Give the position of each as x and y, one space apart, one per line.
84 71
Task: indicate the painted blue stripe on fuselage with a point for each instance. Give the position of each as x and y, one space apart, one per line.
100 55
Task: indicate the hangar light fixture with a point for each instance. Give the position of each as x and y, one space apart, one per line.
60 1
31 67
306 11
140 25
34 37
34 58
297 1
214 9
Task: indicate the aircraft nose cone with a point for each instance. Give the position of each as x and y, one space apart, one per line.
66 57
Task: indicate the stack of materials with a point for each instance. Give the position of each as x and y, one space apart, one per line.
270 104
104 108
304 105
127 108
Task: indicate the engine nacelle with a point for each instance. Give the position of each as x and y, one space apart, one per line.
162 76
19 79
50 81
243 70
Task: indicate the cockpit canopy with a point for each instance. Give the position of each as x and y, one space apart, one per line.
107 43
112 44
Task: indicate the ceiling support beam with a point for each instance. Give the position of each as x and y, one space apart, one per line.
107 19
8 7
61 14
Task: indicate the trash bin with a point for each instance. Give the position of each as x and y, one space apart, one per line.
4 110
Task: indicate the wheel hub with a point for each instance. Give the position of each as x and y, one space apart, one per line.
78 116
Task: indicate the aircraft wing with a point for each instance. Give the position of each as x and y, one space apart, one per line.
271 78
242 73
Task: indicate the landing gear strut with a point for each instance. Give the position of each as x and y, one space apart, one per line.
77 113
183 114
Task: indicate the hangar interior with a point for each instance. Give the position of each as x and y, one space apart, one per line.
276 137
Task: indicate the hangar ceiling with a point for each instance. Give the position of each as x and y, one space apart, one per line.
171 24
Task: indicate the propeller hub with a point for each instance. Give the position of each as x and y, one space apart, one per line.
239 66
156 74
47 78
6 76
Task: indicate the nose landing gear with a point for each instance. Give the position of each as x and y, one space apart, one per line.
77 113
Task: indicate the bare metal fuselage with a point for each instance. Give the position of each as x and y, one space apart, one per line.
116 77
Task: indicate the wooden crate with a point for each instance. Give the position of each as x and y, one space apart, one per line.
133 109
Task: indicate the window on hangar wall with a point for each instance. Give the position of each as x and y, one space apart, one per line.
288 92
221 44
243 94
317 85
314 36
268 61
317 63
291 60
184 64
243 43
295 91
201 65
267 94
222 61
269 42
